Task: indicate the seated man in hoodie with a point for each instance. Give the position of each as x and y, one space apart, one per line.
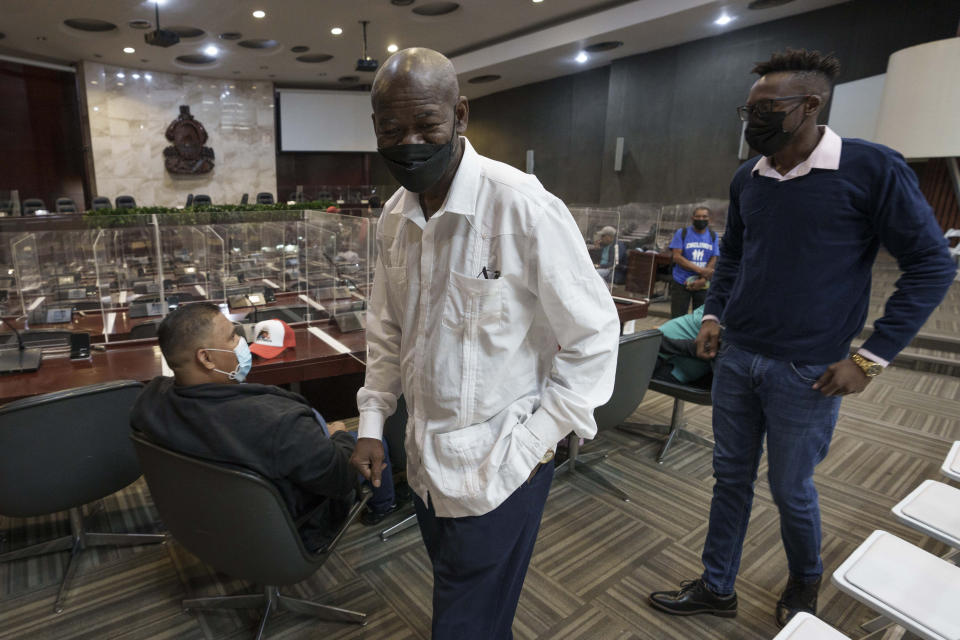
203 412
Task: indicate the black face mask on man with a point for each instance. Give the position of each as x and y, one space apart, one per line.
765 131
700 225
417 167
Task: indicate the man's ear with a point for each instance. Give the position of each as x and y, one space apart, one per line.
814 104
203 358
462 109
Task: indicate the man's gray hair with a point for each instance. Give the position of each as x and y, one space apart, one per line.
608 231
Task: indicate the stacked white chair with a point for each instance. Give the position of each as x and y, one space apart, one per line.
951 466
907 585
804 626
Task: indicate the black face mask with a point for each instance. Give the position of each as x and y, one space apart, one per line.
417 167
765 131
700 225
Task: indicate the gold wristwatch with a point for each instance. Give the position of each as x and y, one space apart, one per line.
547 457
870 368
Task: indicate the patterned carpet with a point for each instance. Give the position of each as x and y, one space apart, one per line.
596 558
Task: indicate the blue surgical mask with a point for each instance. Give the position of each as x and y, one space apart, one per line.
244 361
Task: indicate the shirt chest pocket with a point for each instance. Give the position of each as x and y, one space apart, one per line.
473 302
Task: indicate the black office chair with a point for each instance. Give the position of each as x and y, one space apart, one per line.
144 330
264 198
695 393
66 205
32 205
236 521
636 360
100 202
125 202
189 200
202 200
245 198
60 451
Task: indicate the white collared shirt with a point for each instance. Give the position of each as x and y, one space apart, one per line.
494 371
826 155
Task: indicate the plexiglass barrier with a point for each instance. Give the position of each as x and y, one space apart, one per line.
117 276
600 229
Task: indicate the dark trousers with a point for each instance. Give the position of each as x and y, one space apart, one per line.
755 396
479 562
681 297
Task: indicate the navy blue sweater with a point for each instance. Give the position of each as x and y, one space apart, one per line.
793 279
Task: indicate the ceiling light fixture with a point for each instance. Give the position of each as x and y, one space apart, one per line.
259 14
129 50
136 76
723 20
336 31
392 48
148 77
582 57
537 1
121 75
211 50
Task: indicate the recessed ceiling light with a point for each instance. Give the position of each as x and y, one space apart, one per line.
119 84
211 50
336 31
537 1
96 108
582 57
392 48
93 82
136 76
723 20
129 50
120 74
148 77
259 14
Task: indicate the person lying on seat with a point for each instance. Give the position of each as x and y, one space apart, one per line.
204 411
678 361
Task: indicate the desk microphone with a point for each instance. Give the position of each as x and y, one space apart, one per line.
23 359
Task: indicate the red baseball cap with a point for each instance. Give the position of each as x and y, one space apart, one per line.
272 337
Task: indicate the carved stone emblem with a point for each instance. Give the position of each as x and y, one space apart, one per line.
187 155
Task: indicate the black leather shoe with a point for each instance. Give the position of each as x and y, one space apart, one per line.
797 597
694 597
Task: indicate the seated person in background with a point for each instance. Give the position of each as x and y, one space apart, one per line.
203 412
695 250
613 258
678 361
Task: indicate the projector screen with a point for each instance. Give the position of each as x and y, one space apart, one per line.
326 121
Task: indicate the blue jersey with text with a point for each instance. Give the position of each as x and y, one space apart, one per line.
698 248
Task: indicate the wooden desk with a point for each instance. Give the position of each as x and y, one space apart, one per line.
139 360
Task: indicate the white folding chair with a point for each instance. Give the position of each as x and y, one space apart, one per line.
907 585
934 509
804 626
951 466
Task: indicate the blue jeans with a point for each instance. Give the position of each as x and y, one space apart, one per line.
754 395
382 497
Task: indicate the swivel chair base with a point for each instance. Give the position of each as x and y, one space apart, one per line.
576 464
403 525
675 429
77 542
274 601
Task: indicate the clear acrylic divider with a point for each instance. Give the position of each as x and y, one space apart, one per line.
600 229
639 224
31 291
339 280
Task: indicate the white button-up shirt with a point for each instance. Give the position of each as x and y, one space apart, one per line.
494 371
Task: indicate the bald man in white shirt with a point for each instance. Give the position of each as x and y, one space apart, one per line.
488 316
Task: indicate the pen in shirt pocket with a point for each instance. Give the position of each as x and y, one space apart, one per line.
489 274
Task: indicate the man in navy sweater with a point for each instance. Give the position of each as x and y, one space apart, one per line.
791 290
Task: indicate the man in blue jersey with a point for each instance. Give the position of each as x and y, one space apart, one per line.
695 251
791 290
